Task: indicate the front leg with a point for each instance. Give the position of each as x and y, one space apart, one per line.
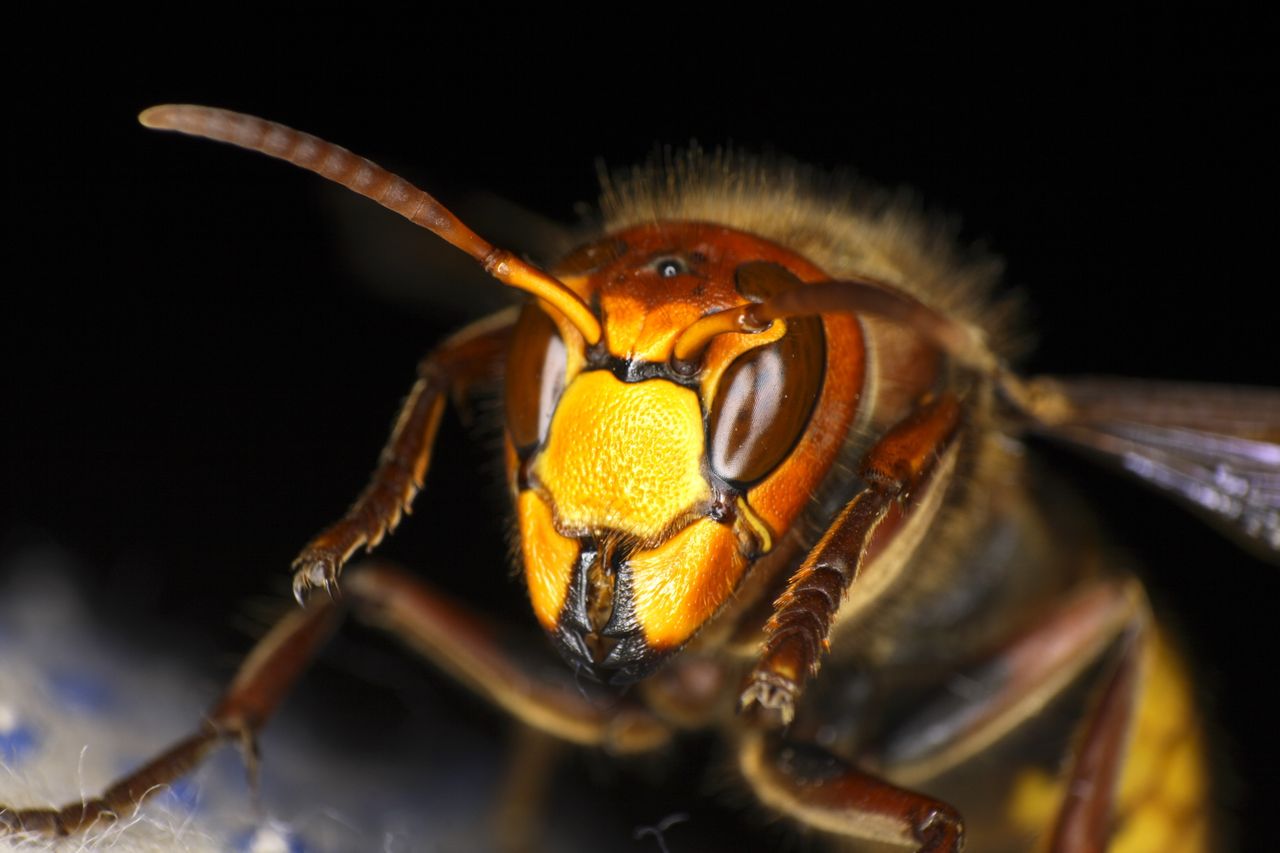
463 644
1105 619
260 685
796 634
466 358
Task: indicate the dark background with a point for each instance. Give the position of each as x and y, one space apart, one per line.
198 374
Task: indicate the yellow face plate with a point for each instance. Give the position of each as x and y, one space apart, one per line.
548 559
644 440
680 584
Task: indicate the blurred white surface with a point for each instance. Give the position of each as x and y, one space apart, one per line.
78 708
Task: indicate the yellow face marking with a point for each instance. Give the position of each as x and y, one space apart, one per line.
756 524
549 558
681 584
623 456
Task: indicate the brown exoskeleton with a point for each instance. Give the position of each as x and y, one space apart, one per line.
764 460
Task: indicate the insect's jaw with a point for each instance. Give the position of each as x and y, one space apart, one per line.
597 632
615 609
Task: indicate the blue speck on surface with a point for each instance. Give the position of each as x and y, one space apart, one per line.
81 691
182 793
16 744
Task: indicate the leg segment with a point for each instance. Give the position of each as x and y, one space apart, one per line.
1015 684
518 825
821 791
261 683
1106 618
1084 820
460 362
796 634
459 642
470 650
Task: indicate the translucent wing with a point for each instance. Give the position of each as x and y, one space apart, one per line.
1216 448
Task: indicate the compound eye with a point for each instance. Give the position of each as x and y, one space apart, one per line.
764 402
535 377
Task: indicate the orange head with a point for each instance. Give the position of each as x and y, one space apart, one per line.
661 432
653 466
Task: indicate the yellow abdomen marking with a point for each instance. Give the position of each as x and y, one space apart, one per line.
623 456
1162 801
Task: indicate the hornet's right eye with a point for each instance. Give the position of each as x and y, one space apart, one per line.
535 377
766 396
764 402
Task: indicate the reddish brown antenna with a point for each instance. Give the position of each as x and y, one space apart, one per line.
373 182
963 342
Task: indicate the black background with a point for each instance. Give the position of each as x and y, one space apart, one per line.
197 377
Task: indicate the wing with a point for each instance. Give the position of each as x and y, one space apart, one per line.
1214 447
